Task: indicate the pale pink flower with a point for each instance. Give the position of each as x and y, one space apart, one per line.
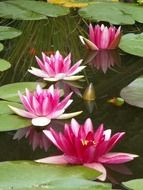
43 105
56 67
102 37
83 146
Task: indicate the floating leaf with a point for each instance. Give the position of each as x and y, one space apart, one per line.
8 10
23 175
133 93
4 65
10 91
123 13
132 43
4 109
135 184
42 8
13 122
1 46
8 32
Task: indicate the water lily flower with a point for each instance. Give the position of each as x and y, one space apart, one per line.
56 67
43 105
82 145
102 37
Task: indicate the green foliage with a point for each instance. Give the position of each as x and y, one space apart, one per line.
123 13
10 91
22 175
135 184
8 32
132 43
133 93
4 65
4 109
1 46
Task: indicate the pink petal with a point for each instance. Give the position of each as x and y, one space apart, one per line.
99 167
88 127
117 158
53 160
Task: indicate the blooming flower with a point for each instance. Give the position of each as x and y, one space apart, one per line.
102 37
43 105
56 67
82 145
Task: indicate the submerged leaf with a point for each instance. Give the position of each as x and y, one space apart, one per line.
133 93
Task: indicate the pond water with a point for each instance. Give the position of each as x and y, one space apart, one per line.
62 34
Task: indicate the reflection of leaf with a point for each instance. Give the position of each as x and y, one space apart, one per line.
4 65
22 175
133 93
8 32
13 122
132 43
136 184
10 91
124 13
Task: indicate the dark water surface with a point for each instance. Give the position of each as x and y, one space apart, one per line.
62 34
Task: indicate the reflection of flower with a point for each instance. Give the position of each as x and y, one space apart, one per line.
81 145
102 37
56 67
43 105
35 136
68 87
104 59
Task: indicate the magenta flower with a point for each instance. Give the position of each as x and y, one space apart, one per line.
43 105
56 67
102 37
82 145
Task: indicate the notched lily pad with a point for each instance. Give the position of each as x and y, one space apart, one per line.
133 93
132 43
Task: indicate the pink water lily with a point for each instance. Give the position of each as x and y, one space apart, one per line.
56 67
43 105
102 37
82 145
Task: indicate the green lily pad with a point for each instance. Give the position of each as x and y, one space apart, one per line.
42 8
8 10
4 65
13 122
133 93
8 32
1 46
136 184
10 91
4 109
123 13
132 43
23 175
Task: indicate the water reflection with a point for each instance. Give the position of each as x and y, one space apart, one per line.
103 59
35 135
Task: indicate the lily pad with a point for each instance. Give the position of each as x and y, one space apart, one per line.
8 32
133 93
42 8
1 46
10 91
4 109
136 184
4 65
23 175
13 122
123 13
132 43
8 10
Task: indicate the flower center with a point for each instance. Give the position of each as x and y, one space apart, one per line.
88 142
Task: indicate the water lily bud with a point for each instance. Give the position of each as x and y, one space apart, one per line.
117 101
89 93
